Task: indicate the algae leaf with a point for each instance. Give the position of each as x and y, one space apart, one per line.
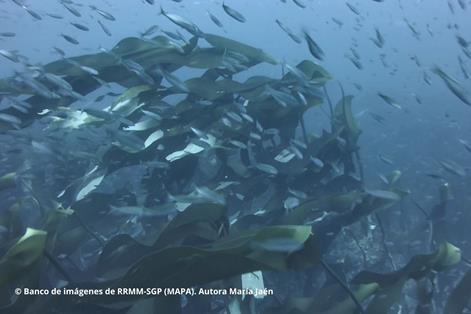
8 181
344 118
22 256
189 266
385 288
255 55
460 297
418 267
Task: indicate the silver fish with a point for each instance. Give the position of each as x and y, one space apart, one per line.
176 36
356 62
55 16
70 39
32 13
182 22
389 101
18 104
269 169
299 4
59 51
314 48
71 9
297 193
427 79
453 167
233 13
234 116
9 119
104 28
7 34
105 14
467 52
463 68
451 7
466 144
138 70
288 32
238 144
378 118
10 55
36 86
58 81
385 159
149 31
379 40
429 30
462 42
18 3
214 19
80 26
337 21
84 68
20 108
162 210
352 8
290 203
454 86
412 28
153 115
355 53
174 81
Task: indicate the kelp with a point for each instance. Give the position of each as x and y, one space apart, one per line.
159 51
343 117
419 267
271 248
460 297
383 290
210 146
22 256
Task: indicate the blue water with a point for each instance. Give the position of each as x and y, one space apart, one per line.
414 138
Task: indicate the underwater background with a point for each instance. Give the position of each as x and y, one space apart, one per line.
320 149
